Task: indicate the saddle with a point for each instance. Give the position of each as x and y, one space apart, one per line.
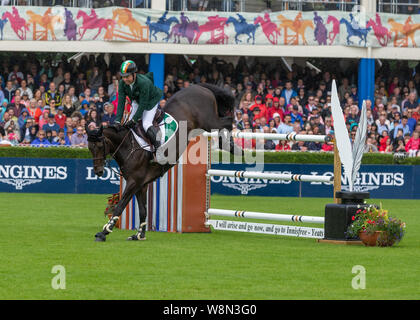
139 130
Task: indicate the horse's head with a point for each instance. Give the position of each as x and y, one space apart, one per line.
80 14
172 20
230 20
97 146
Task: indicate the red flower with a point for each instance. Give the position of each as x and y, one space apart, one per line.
352 218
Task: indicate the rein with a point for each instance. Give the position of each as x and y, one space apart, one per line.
107 161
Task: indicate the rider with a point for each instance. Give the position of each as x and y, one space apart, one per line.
144 97
241 18
184 23
162 19
354 23
93 16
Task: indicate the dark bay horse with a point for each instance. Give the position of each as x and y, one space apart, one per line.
201 106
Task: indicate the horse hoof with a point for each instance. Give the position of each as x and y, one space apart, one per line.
135 238
100 237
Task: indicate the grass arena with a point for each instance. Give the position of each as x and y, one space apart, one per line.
57 230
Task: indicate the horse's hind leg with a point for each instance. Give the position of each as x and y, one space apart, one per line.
141 200
128 193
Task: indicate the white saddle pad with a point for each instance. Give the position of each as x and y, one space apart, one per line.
166 135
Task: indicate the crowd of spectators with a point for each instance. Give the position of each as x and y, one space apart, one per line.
49 102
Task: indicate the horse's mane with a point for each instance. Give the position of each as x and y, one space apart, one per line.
225 100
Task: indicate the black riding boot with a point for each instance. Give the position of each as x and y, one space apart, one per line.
154 134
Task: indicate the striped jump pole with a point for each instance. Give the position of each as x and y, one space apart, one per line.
270 176
274 136
264 216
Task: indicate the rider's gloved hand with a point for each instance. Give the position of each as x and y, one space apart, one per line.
118 126
130 124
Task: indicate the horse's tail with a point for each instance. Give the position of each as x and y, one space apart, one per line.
225 100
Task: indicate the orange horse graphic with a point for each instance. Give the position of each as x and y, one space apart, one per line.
298 26
408 30
46 22
124 17
268 27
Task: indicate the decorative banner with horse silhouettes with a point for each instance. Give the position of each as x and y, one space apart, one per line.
145 25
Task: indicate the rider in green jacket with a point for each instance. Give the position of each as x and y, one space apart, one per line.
144 97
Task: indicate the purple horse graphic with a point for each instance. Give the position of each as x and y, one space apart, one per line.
70 28
320 31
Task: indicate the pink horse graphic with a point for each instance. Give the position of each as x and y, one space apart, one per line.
17 23
335 30
91 22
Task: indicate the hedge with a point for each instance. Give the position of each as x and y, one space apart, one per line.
269 157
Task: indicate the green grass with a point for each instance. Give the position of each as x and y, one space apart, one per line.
43 230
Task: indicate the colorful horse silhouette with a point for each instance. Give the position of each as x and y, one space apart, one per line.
381 32
242 27
2 24
124 17
351 32
321 31
408 30
216 26
298 26
18 24
92 22
70 27
335 29
156 27
46 21
269 28
189 32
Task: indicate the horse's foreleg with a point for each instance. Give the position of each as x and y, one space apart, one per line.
141 201
128 193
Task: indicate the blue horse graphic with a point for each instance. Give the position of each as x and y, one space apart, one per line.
358 32
2 24
242 27
163 25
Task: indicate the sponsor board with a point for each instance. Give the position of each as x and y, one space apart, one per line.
56 176
382 181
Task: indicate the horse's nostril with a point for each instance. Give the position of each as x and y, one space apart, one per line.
100 173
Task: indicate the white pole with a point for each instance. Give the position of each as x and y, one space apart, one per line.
266 216
274 136
270 176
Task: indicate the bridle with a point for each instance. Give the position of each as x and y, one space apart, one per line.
106 152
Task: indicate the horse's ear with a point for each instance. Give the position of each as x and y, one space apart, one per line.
101 128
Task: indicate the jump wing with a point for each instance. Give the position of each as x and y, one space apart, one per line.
341 135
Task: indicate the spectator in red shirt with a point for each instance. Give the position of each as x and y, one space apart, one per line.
60 117
383 141
34 111
413 145
276 109
260 105
283 146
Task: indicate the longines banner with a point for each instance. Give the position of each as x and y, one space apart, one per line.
77 176
146 25
382 181
56 176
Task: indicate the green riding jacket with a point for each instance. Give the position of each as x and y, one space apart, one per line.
144 93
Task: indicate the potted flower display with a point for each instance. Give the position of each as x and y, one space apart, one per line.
375 227
112 202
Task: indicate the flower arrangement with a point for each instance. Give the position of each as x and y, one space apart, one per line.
112 202
373 220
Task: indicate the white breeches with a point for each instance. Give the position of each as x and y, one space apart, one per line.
147 117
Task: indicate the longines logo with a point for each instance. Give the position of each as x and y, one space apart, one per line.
109 175
20 176
245 185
